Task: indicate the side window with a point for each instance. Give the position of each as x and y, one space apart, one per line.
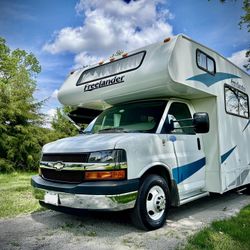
236 102
205 62
179 111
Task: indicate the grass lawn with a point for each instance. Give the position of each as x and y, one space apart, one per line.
16 195
233 233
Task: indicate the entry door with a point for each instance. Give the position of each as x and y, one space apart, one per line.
190 171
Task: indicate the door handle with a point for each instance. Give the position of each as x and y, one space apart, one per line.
199 143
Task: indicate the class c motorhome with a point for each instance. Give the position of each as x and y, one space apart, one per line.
172 125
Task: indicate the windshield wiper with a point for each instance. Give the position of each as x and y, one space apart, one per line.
110 130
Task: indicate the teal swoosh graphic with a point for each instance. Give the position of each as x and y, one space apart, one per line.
226 155
246 126
183 172
209 79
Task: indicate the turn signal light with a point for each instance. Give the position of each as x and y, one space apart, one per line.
105 175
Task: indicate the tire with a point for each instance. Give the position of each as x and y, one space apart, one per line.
152 204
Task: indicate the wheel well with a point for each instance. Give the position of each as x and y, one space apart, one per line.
159 170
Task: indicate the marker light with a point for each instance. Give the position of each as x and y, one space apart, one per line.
112 59
101 62
167 40
105 175
125 55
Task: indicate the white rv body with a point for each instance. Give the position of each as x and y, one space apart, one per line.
216 161
165 72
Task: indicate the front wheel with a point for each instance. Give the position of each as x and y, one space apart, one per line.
152 204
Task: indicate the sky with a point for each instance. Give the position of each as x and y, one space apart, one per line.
68 34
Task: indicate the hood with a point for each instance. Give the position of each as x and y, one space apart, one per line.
84 143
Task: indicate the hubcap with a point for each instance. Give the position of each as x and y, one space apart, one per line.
156 202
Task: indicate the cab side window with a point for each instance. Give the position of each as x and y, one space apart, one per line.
178 112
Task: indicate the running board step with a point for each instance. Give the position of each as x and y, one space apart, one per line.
192 198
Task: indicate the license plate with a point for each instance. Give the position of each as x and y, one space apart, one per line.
51 198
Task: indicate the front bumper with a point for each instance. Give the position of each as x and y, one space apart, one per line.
103 195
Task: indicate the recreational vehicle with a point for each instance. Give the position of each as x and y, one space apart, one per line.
170 124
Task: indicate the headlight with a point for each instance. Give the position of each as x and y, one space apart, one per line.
115 168
116 156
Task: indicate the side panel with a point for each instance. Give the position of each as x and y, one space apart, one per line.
227 145
210 143
234 143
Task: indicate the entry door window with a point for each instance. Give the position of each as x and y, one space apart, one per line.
178 112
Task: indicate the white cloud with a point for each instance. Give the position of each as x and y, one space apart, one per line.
239 58
83 59
112 25
50 114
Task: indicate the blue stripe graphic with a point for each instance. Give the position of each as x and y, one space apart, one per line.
246 126
183 172
209 79
226 155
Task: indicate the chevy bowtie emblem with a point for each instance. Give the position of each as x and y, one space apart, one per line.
58 166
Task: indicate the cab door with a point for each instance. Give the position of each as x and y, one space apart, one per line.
189 173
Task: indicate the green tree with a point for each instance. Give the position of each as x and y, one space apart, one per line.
63 127
21 137
244 20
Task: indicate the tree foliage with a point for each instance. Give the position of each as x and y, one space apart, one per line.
244 20
21 135
62 127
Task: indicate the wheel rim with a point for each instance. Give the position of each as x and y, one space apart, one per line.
156 202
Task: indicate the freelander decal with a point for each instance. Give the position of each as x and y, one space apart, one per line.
209 79
103 83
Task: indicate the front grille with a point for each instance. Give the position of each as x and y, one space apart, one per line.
74 157
72 176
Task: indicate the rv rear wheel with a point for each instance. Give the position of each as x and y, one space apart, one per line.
152 204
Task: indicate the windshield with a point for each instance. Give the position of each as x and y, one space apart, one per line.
132 117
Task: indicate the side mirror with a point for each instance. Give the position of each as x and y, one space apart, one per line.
201 122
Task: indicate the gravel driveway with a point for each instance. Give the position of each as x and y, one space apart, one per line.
55 230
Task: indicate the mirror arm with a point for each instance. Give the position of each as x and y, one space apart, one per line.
183 120
69 119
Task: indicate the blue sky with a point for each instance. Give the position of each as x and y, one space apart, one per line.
68 34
